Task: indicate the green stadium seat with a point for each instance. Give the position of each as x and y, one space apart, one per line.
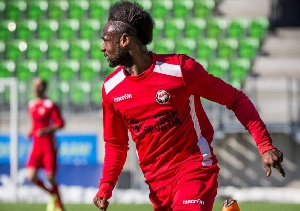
53 92
96 94
162 9
239 70
150 46
182 9
90 70
106 69
204 8
15 9
79 49
173 28
99 9
78 9
164 46
2 49
248 47
228 48
158 29
26 29
206 48
96 53
68 29
203 62
26 70
2 6
64 91
7 68
79 94
68 70
258 27
15 49
219 68
37 9
47 29
216 27
195 28
58 9
186 46
237 28
146 4
47 69
89 28
36 49
57 49
7 28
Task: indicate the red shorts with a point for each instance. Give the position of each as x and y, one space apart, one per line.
194 191
42 156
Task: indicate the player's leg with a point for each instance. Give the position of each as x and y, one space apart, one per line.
50 165
161 198
32 177
33 164
196 191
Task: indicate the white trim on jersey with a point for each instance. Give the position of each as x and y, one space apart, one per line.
114 81
194 117
202 143
168 69
205 151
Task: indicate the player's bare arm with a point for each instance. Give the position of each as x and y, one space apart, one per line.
273 158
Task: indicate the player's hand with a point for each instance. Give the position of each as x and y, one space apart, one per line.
41 132
273 158
102 196
101 203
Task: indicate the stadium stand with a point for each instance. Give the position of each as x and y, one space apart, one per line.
63 39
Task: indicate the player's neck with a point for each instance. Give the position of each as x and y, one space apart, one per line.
39 98
142 62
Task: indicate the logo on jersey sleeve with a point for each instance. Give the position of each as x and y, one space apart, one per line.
162 96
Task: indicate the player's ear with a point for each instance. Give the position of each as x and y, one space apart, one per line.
124 40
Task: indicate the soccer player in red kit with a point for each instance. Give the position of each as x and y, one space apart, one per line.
46 119
157 98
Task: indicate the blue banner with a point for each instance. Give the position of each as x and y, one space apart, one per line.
23 149
74 149
77 149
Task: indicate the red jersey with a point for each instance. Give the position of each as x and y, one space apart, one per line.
43 113
162 109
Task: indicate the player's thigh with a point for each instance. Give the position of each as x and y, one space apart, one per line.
162 198
35 159
196 194
50 163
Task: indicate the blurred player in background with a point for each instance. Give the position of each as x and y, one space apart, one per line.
46 119
157 98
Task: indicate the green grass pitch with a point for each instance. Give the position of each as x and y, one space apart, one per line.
244 206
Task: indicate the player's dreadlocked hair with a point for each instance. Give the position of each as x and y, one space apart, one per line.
131 18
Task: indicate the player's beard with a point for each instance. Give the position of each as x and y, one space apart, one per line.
122 57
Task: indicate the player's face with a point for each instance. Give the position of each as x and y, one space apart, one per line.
114 53
38 88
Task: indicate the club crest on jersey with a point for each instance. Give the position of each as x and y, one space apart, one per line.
41 110
162 96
